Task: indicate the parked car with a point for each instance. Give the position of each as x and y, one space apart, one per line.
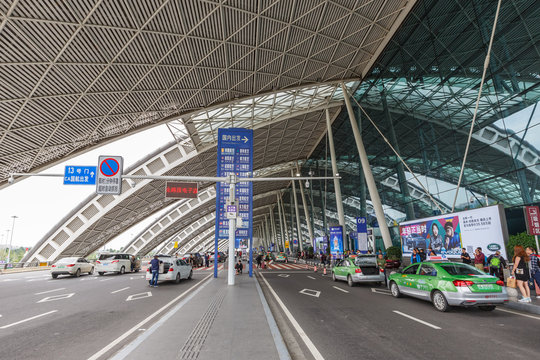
449 284
198 259
280 257
171 269
221 256
71 266
392 264
360 268
116 262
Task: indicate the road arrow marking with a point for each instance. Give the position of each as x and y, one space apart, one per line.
114 292
340 289
56 297
45 292
139 296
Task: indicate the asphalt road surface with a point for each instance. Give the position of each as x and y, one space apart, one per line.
67 318
366 322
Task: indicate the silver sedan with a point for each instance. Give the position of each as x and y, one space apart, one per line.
71 266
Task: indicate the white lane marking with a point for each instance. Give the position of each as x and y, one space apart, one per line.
114 292
25 320
5 280
311 277
417 320
381 291
520 314
55 297
41 279
106 279
340 289
36 277
284 275
316 354
139 296
144 321
314 293
49 291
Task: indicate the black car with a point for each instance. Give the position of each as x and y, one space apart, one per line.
198 259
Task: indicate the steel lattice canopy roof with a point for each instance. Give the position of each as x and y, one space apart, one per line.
75 75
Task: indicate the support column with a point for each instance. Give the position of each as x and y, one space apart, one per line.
297 213
273 226
281 222
370 181
337 187
306 210
286 225
403 185
363 197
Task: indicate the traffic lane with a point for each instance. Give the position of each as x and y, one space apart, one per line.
337 319
84 327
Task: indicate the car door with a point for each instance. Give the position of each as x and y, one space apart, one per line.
407 283
426 281
338 271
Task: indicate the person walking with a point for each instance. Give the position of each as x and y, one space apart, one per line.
465 257
479 259
154 268
521 272
415 256
496 263
259 261
535 269
422 254
206 259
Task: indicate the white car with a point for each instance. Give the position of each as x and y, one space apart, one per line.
171 269
118 263
71 266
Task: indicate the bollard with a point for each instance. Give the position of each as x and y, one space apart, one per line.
324 270
315 268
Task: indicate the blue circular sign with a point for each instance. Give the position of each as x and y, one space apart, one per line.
109 167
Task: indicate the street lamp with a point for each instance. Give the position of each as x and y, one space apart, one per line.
11 240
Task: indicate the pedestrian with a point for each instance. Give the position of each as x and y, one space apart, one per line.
206 259
415 257
496 264
323 259
422 254
259 261
382 264
465 257
154 268
535 269
132 261
521 272
239 266
479 259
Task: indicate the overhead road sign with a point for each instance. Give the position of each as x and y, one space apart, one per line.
79 175
181 190
109 175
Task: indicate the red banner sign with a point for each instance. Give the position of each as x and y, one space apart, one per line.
532 215
181 190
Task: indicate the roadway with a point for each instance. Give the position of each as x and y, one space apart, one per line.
71 317
365 321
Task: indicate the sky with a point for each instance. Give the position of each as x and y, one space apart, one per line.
41 202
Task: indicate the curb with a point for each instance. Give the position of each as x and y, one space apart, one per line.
530 308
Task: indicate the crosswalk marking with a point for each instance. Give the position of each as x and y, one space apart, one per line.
220 267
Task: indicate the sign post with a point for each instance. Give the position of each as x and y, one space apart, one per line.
532 215
109 175
234 161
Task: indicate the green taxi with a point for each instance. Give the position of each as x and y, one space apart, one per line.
280 257
355 269
448 284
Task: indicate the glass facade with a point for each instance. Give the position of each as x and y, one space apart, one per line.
421 94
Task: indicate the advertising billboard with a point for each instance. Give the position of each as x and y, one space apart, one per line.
336 240
448 233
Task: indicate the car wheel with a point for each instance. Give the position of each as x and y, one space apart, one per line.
190 274
101 273
349 281
439 301
178 278
394 289
487 307
54 276
78 273
122 270
91 272
334 276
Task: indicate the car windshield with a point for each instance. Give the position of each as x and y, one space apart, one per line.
106 257
460 269
365 260
67 260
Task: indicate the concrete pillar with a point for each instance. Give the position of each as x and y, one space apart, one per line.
273 230
337 187
297 213
281 221
370 181
306 210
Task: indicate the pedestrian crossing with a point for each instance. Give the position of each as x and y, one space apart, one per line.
220 267
283 266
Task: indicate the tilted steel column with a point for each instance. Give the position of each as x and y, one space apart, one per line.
337 186
297 212
403 185
273 226
363 197
306 210
281 222
370 181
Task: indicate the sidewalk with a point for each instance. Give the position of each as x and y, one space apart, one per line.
217 321
533 307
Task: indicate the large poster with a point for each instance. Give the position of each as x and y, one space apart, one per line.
336 240
448 233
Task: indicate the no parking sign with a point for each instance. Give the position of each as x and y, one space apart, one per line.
109 175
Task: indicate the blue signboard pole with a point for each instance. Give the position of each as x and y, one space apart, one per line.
235 156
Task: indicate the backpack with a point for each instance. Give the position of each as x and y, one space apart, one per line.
495 262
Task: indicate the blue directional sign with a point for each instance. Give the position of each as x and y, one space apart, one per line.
361 239
235 155
80 175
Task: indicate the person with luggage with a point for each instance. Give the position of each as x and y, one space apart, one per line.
239 267
521 272
496 265
535 268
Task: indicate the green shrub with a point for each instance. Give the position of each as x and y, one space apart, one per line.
522 239
393 253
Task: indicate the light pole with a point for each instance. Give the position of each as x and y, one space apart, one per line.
11 239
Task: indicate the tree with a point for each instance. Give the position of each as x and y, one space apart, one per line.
522 239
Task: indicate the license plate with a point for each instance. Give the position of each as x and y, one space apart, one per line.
61 266
485 286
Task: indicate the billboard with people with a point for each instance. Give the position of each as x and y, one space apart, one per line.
447 234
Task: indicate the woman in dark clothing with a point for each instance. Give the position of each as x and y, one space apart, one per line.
521 272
